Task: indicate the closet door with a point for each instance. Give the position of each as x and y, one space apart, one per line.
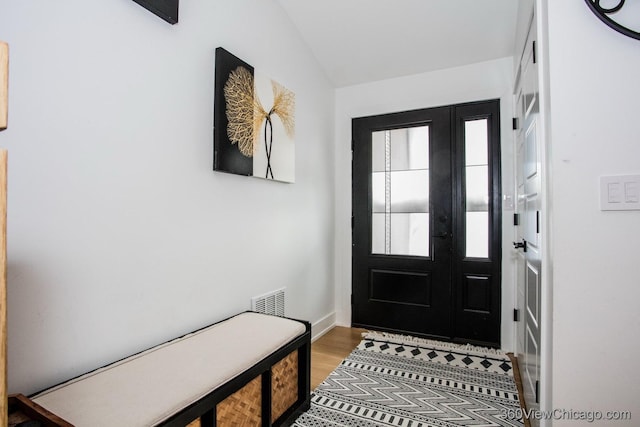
529 227
4 71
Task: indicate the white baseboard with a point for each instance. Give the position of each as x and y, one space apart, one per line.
322 326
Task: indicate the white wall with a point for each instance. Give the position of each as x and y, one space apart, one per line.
593 108
486 80
120 234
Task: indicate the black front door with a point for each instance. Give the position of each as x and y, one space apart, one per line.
426 233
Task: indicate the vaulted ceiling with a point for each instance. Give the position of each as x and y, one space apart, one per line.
358 41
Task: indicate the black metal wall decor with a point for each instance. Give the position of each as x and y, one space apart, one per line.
165 9
606 14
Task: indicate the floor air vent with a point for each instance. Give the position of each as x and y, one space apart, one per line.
269 303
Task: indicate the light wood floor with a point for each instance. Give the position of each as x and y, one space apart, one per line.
330 349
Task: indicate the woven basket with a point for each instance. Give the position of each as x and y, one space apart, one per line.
194 423
284 385
242 408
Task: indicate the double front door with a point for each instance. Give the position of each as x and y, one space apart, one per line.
427 224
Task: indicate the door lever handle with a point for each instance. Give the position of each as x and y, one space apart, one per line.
521 245
442 235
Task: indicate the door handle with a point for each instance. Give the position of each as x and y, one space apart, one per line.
521 245
442 235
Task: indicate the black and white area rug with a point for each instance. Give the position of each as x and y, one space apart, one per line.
393 380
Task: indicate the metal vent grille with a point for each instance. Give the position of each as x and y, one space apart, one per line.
269 303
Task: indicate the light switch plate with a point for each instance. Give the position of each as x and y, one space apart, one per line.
620 193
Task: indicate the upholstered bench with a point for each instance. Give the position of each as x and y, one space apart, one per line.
251 369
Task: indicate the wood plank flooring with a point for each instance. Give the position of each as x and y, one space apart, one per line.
333 347
330 349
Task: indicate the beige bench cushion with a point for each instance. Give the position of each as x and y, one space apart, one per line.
147 388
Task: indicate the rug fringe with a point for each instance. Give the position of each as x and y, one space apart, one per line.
410 340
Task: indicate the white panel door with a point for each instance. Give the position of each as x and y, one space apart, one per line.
528 227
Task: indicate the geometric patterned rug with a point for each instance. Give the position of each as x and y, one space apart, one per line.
396 380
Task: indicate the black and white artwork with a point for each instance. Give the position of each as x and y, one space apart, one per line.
165 9
254 122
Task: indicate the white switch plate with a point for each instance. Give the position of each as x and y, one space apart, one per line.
620 193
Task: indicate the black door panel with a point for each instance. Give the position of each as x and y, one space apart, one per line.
410 269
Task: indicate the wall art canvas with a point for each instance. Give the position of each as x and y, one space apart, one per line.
165 9
254 122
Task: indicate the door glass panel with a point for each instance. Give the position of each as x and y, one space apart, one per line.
409 148
378 224
400 192
378 142
410 191
477 188
378 192
410 234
